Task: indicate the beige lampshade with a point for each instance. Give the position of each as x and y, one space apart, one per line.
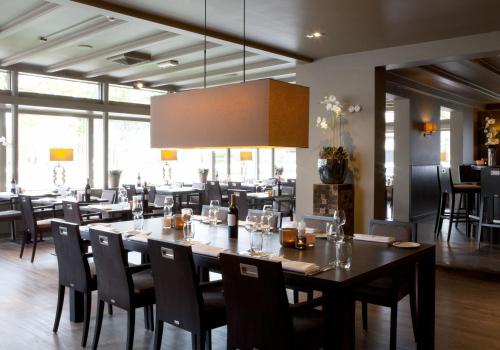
261 113
61 154
168 154
245 155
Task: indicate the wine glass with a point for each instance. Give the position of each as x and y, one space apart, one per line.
186 213
339 217
168 203
122 197
265 224
250 223
213 212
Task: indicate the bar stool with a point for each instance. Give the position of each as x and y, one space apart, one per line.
490 189
448 190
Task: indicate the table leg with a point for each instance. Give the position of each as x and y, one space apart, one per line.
426 301
75 306
340 313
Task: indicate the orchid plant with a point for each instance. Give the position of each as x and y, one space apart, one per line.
333 123
491 132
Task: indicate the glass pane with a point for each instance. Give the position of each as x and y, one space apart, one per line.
39 133
186 168
243 170
9 149
221 164
57 86
98 154
121 93
265 163
4 80
286 158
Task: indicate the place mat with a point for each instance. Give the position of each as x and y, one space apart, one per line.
296 266
373 238
205 249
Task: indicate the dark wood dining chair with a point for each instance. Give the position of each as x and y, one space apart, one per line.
286 202
241 202
109 196
131 191
125 286
75 271
11 216
32 227
214 192
258 313
275 221
72 213
222 216
181 300
388 290
490 191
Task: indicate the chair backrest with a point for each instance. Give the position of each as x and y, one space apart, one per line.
198 185
316 221
109 195
159 200
74 270
234 185
397 229
241 202
467 174
71 212
222 216
214 191
445 180
152 194
490 182
113 280
256 304
287 190
131 191
178 298
28 214
275 221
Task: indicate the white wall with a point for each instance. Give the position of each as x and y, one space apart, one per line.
351 78
401 186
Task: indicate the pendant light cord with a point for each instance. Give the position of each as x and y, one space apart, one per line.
244 40
205 50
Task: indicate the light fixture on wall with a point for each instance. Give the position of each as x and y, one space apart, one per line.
168 155
262 113
315 35
428 128
60 155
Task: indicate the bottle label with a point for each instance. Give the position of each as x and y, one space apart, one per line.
231 220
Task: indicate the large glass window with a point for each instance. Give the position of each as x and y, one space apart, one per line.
4 80
37 134
445 136
389 147
220 164
120 93
286 158
243 164
57 86
265 163
98 164
185 168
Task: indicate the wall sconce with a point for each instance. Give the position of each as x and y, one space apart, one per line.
429 128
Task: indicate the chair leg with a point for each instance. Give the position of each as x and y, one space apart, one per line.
34 248
25 238
110 309
364 314
87 301
394 324
480 226
459 207
442 211
60 302
208 339
13 230
151 318
438 217
199 341
467 219
98 324
130 329
452 214
413 310
194 340
158 334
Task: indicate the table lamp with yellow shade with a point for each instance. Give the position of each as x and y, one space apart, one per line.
60 155
245 156
168 155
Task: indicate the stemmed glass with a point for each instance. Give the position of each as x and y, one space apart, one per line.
339 217
137 211
266 219
256 239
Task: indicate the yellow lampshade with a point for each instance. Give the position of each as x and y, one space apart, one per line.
61 154
168 154
430 127
245 155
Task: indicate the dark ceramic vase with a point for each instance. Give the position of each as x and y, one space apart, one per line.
332 171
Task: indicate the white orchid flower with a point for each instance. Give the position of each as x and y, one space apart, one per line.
332 98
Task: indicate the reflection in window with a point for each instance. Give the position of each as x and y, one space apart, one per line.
286 158
39 133
120 93
57 86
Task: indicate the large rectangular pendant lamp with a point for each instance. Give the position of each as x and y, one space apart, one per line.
261 113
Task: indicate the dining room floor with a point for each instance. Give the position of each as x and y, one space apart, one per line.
467 312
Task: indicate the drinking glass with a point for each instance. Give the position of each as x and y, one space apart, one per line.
339 217
256 242
168 203
214 203
343 254
335 232
213 212
186 213
137 207
188 230
122 197
265 224
251 223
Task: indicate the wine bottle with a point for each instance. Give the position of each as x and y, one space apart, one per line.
138 179
232 218
145 197
13 186
87 191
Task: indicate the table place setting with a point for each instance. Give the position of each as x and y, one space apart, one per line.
300 266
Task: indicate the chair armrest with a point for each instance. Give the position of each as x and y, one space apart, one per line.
138 268
307 304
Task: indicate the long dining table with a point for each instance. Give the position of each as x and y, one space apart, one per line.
369 261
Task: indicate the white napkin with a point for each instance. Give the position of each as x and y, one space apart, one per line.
373 238
296 266
205 249
138 238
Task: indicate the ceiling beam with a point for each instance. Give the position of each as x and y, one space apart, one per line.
64 40
285 74
27 17
222 71
112 51
487 65
155 59
460 80
173 25
183 67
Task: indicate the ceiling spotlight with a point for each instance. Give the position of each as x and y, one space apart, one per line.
315 35
138 84
169 63
85 46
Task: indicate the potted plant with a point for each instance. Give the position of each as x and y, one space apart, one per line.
333 159
203 173
114 178
492 141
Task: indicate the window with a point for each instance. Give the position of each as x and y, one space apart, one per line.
445 136
286 158
243 170
185 168
57 86
119 93
37 134
265 163
220 164
4 80
389 147
98 164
